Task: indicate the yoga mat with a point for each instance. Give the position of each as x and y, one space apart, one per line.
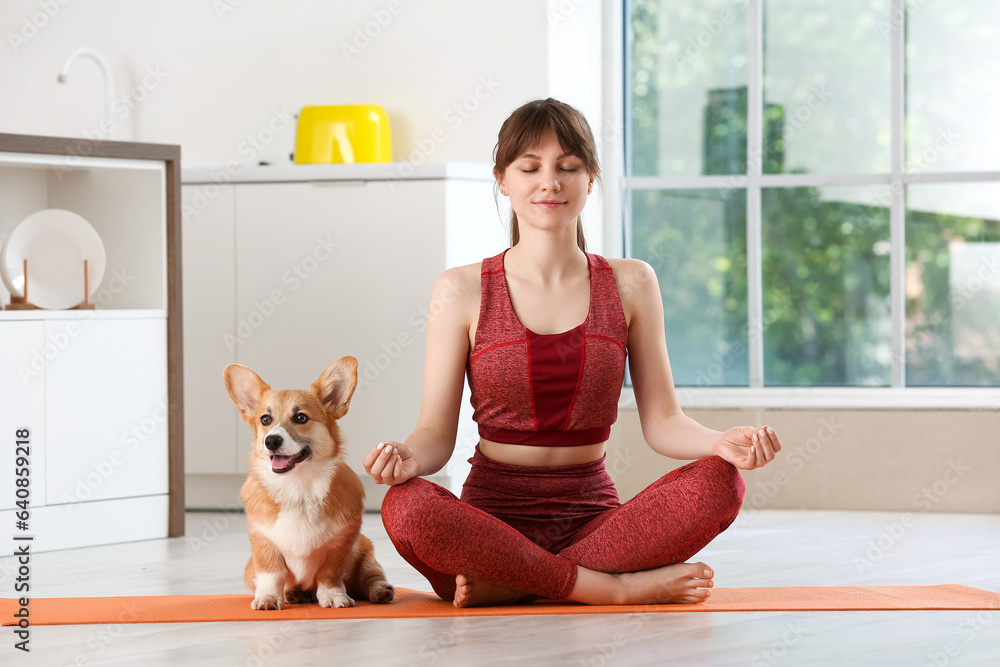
410 603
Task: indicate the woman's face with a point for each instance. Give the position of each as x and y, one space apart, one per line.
547 187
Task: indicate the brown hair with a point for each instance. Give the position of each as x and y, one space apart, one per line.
524 128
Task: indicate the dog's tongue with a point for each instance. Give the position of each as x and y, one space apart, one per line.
280 462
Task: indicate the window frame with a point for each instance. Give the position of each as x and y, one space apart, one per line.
618 243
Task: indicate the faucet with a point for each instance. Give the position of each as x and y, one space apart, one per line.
109 82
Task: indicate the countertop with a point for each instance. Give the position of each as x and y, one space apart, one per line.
234 172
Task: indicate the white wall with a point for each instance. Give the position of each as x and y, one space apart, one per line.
576 58
225 73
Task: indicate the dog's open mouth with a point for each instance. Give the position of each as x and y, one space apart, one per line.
282 464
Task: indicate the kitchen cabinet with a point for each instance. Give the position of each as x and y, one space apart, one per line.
100 390
288 269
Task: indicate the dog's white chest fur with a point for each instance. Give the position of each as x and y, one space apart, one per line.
303 535
302 531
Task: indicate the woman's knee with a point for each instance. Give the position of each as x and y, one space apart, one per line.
399 502
406 504
725 481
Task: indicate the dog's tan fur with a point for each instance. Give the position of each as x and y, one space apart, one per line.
305 523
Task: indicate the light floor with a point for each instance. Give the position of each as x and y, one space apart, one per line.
765 548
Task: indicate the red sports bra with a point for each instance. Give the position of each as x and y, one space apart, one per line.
548 390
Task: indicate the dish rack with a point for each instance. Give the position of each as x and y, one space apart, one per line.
22 303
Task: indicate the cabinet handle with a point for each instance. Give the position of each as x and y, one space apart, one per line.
338 184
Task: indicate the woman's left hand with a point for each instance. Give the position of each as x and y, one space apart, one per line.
747 447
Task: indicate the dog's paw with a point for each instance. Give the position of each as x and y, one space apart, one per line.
267 603
335 599
381 592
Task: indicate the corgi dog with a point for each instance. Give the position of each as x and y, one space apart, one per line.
303 502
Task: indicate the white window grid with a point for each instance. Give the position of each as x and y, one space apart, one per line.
617 238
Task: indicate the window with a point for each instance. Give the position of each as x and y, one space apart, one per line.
817 185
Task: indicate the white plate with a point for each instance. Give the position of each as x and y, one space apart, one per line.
55 242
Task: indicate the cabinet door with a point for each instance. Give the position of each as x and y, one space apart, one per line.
332 269
106 401
22 405
210 335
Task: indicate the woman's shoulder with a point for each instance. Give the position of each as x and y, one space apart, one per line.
637 285
466 274
470 275
459 284
629 271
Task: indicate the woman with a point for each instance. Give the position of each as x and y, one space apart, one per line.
542 330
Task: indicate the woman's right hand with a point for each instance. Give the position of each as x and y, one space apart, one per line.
391 463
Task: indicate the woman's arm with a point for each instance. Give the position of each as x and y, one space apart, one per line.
665 427
432 442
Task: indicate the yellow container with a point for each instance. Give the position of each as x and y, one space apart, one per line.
343 134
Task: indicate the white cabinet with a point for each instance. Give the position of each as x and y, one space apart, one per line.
99 390
108 388
22 396
210 426
286 277
91 391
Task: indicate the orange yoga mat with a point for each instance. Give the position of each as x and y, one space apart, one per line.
410 603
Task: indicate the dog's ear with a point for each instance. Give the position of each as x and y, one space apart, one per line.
245 388
336 386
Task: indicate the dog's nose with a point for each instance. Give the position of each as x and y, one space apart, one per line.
272 442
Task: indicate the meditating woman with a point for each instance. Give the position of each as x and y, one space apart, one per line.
543 330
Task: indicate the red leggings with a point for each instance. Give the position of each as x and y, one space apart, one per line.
528 528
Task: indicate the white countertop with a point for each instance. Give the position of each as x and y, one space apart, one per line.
235 172
93 313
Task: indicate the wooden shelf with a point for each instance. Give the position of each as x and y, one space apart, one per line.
114 183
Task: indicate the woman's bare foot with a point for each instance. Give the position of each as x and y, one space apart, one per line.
678 583
471 592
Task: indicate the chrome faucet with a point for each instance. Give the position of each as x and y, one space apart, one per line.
109 82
